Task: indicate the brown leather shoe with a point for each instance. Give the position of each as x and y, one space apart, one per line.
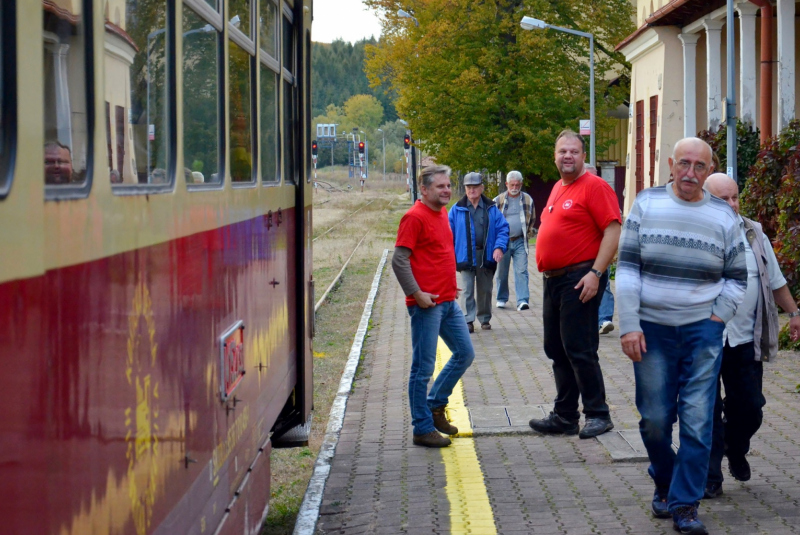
486 327
431 440
470 327
440 421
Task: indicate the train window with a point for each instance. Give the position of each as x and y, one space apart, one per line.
201 118
268 20
239 12
241 154
66 122
136 93
7 103
288 45
289 152
270 171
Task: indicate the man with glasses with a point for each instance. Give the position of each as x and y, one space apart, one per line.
517 207
57 163
681 275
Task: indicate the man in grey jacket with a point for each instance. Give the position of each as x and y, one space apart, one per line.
750 338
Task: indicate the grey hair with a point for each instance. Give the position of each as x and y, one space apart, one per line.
681 142
427 174
514 175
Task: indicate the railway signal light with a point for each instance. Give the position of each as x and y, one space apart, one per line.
407 142
361 147
314 148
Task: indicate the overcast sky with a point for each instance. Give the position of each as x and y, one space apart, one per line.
343 19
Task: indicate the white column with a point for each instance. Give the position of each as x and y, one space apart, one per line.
689 41
786 64
714 70
747 53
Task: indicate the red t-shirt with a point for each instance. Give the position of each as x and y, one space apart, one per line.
572 231
433 259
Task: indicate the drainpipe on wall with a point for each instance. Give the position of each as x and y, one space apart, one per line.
765 101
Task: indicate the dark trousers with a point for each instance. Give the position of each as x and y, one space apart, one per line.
742 377
570 341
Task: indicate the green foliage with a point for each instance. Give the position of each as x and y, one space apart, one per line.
481 93
759 197
338 74
772 197
747 147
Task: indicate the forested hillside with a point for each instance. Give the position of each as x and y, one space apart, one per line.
338 74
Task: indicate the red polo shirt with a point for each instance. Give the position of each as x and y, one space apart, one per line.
433 259
571 232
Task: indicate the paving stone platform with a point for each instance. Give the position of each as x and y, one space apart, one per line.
380 483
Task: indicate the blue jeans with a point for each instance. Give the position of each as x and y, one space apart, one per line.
677 377
606 305
427 325
516 249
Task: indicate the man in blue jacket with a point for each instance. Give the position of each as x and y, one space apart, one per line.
480 236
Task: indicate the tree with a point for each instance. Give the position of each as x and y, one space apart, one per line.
483 93
364 111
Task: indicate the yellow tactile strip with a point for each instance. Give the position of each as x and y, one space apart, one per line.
470 510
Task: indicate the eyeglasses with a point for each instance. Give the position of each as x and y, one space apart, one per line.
699 167
56 162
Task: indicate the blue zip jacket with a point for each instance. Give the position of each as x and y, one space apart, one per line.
463 228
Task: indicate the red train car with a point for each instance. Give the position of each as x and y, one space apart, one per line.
156 296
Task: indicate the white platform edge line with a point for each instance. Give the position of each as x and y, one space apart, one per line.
309 509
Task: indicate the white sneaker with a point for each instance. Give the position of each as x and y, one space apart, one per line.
606 327
501 304
523 306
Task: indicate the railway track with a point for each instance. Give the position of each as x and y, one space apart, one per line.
338 277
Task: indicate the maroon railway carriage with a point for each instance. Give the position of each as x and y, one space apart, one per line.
156 299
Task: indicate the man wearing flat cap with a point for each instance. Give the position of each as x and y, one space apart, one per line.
480 237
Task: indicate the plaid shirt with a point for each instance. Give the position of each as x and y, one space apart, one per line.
527 213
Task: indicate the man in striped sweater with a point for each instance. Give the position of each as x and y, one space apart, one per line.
681 275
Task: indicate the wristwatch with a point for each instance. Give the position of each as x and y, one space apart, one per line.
597 272
794 314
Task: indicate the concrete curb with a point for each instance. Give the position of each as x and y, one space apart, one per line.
309 509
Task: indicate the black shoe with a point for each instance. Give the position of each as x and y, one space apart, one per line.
740 469
685 520
554 425
596 426
659 506
431 440
713 490
470 327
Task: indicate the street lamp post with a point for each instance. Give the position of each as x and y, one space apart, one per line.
403 14
529 23
383 135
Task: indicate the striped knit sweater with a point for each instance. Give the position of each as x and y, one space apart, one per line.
679 262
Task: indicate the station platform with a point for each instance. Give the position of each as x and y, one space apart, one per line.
499 476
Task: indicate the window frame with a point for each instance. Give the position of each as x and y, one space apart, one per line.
8 98
81 191
207 13
170 102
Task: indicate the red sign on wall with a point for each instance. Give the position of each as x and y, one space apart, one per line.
231 350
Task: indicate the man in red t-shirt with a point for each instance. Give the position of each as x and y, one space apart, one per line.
424 262
578 237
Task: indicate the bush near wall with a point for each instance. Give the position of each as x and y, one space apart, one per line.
771 196
747 147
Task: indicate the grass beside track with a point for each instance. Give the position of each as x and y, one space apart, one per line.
337 320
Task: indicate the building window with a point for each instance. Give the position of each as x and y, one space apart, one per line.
639 147
66 125
653 133
201 109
